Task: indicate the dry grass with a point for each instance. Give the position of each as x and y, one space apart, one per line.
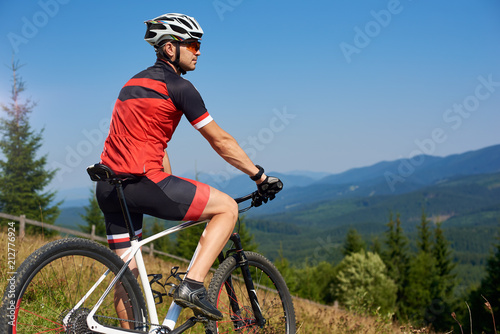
311 317
317 318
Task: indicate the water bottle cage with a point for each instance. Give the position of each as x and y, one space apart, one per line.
156 279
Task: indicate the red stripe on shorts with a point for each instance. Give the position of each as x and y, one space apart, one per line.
200 201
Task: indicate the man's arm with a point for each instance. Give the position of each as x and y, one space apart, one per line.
229 149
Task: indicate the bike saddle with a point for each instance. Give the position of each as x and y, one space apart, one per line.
100 172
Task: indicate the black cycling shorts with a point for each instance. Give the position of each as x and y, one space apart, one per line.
172 198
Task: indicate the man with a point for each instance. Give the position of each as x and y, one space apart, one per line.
148 109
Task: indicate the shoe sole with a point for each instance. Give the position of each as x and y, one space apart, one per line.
198 309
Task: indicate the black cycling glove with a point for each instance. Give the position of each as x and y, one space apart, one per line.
269 188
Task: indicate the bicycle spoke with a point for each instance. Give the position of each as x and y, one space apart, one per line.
229 292
56 277
60 326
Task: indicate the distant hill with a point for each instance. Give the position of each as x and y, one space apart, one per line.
448 199
309 188
385 178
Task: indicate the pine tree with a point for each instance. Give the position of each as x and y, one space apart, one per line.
442 254
93 216
489 290
422 277
419 287
442 294
23 175
354 243
424 234
430 281
396 259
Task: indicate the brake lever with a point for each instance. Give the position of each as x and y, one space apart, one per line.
258 199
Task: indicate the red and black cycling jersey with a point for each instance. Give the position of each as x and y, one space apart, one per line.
146 114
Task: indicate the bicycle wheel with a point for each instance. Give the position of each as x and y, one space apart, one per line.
51 281
273 295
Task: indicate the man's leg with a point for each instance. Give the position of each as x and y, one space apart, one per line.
222 211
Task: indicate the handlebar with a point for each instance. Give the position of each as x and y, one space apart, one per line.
247 197
256 198
268 193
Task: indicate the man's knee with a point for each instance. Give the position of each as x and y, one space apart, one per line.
232 208
220 203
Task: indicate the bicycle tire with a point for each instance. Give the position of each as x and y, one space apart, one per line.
50 282
274 298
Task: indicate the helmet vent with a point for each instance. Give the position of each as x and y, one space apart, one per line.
158 27
164 18
178 29
150 34
186 23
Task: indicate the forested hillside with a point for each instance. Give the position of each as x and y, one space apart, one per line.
468 208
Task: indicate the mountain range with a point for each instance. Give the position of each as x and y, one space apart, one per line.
390 178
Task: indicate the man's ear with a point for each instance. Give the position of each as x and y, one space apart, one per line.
169 50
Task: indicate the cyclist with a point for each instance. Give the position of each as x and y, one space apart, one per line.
146 114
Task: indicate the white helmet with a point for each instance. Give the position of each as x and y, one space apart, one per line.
171 26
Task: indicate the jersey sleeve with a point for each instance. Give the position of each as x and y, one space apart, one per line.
187 99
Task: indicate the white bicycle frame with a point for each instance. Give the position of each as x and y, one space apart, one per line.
135 252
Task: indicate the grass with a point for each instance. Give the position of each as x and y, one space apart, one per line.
311 317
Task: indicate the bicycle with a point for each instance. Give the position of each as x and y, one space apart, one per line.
67 286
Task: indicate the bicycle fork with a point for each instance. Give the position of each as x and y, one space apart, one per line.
247 277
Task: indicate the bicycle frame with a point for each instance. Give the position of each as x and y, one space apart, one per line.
135 252
174 310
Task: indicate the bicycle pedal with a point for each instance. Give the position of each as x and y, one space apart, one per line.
172 289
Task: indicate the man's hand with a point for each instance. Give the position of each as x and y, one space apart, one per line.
269 188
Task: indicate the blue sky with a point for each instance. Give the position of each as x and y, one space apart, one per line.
320 85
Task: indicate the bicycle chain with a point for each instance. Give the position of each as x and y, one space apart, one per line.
160 330
77 323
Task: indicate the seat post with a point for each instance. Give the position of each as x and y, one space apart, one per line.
124 207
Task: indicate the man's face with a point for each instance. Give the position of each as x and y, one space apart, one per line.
189 52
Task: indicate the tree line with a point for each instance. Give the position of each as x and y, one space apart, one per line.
394 282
